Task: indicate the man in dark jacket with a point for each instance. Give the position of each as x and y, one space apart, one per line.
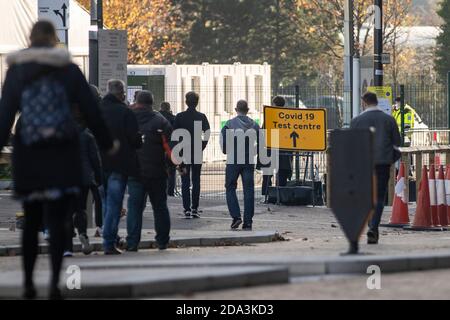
152 178
167 113
190 120
118 167
387 138
244 132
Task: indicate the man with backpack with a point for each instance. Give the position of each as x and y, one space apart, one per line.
154 162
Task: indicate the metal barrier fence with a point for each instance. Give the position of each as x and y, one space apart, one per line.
213 177
429 101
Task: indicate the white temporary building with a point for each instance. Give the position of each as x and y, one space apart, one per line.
18 16
220 87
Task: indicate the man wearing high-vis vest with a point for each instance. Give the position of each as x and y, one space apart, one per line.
409 119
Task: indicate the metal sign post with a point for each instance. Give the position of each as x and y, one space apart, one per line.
113 57
58 13
96 24
378 43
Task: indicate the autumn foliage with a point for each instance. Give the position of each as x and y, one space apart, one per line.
152 28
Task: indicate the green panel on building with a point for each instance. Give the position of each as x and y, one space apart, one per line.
156 84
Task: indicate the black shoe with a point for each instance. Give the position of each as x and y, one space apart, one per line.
187 214
30 293
112 252
55 294
132 249
247 227
163 247
195 214
236 223
85 245
372 237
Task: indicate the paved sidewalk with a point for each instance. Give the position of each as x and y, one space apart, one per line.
313 245
309 231
138 282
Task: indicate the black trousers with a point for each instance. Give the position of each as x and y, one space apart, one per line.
383 175
196 171
77 219
56 213
171 181
98 206
156 190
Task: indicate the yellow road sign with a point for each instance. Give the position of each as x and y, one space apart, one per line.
385 98
298 129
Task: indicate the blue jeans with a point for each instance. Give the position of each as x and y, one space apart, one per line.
137 201
195 170
114 191
232 174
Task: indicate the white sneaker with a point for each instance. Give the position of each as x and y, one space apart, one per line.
68 254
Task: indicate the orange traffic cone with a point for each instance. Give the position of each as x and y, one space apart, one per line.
441 199
400 214
422 219
433 196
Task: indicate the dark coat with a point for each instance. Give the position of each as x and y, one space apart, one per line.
387 136
90 159
52 166
123 126
152 157
186 120
169 117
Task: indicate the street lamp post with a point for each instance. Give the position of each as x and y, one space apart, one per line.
378 43
96 24
348 61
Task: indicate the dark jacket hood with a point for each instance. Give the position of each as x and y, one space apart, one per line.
143 115
241 122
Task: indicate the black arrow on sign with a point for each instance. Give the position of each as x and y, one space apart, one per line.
62 15
294 136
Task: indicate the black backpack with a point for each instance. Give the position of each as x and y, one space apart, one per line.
46 115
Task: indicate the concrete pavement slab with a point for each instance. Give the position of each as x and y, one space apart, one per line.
135 283
197 238
307 266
